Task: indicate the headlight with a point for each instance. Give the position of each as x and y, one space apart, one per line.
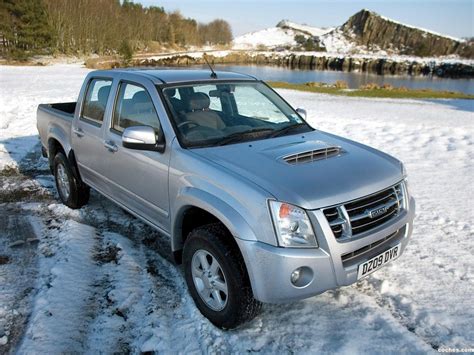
292 226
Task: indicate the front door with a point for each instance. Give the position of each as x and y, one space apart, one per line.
139 178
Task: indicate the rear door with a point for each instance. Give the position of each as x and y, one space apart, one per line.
139 179
87 131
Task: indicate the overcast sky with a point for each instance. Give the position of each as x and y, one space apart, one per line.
452 17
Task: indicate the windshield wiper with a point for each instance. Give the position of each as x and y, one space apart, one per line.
240 136
286 129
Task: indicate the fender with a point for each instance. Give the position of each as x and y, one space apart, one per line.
194 197
58 133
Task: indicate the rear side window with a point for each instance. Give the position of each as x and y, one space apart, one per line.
96 99
134 107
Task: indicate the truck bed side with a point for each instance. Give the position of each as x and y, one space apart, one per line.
54 122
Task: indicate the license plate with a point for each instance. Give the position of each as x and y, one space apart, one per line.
377 262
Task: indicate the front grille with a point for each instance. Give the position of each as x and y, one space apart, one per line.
364 214
312 155
371 249
336 223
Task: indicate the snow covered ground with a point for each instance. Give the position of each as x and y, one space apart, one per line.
96 280
22 89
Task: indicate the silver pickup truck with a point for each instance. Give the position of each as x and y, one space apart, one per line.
259 206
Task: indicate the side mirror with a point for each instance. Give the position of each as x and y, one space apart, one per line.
143 138
302 112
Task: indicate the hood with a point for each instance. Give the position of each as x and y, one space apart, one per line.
356 171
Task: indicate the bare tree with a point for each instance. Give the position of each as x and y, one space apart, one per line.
98 26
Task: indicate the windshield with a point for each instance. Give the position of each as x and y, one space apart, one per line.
211 114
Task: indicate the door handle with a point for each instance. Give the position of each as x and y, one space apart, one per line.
78 132
111 146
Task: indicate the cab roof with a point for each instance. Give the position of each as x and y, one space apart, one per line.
171 76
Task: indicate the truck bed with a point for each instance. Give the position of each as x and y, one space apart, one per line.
57 118
64 107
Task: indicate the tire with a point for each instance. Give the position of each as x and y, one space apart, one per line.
72 192
240 305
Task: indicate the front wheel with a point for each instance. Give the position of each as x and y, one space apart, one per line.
72 192
217 278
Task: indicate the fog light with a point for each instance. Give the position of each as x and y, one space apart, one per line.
295 276
302 276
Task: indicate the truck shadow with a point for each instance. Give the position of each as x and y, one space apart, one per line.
24 173
23 155
456 104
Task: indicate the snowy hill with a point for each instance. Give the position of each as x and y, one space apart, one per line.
269 37
303 29
366 32
283 35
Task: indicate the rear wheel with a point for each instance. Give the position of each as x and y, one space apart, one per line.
217 278
72 192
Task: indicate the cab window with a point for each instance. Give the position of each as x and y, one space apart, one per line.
215 102
95 100
134 107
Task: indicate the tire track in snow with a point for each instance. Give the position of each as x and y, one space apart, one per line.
63 305
398 306
18 263
141 296
165 304
170 305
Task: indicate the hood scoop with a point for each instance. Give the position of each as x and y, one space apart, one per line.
313 155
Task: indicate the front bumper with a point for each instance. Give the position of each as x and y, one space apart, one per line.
270 267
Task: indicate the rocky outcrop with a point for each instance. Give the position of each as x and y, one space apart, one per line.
371 30
380 66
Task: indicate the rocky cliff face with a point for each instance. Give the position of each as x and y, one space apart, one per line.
373 31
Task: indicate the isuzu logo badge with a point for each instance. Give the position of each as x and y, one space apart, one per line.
377 212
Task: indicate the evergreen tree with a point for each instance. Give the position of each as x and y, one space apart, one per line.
24 26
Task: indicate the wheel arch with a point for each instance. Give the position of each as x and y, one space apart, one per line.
196 208
54 147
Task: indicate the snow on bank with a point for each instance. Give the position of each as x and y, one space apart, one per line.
103 285
333 53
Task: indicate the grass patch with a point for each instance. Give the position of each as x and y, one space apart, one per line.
9 171
371 90
24 196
